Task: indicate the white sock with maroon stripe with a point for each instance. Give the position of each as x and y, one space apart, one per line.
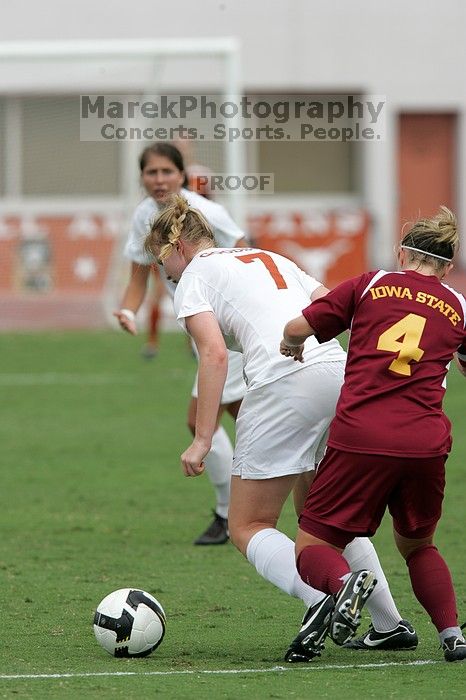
272 554
361 554
218 468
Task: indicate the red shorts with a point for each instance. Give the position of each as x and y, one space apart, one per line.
351 491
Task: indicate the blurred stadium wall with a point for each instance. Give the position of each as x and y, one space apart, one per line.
338 208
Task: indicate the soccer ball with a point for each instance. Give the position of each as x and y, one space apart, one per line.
129 622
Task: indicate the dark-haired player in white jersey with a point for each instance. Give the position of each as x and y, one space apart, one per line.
162 174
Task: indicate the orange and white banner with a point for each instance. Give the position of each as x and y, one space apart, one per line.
68 271
331 246
46 254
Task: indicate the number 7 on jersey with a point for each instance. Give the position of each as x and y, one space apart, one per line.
269 264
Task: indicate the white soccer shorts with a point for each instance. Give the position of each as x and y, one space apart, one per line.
282 427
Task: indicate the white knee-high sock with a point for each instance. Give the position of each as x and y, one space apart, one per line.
218 468
361 554
272 554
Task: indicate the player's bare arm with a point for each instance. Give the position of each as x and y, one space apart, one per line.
319 292
297 330
133 297
213 367
295 333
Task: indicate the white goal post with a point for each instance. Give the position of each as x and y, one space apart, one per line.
69 68
152 50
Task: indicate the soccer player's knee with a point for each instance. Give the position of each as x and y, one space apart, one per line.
411 551
408 546
238 537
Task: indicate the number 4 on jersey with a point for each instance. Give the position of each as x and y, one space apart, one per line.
404 338
269 264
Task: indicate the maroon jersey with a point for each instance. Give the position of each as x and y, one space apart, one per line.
405 328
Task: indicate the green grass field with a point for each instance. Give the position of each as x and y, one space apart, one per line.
92 499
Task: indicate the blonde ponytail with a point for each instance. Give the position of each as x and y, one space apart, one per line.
447 227
177 220
435 240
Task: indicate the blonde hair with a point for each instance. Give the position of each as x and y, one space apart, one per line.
177 220
433 241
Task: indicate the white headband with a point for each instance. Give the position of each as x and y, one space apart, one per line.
424 252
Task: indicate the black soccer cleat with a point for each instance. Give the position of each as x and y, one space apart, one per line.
314 627
149 351
454 648
216 533
349 602
401 638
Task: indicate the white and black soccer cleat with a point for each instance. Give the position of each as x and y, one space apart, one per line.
454 648
314 628
402 638
349 602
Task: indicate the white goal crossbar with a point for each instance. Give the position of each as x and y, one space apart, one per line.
139 67
225 48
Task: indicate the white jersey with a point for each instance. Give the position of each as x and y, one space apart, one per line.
227 233
253 293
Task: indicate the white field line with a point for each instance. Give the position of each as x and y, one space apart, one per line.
235 671
48 378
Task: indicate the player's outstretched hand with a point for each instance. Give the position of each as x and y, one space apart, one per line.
192 459
126 320
296 352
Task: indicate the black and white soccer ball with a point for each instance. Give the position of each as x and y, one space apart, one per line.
129 622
